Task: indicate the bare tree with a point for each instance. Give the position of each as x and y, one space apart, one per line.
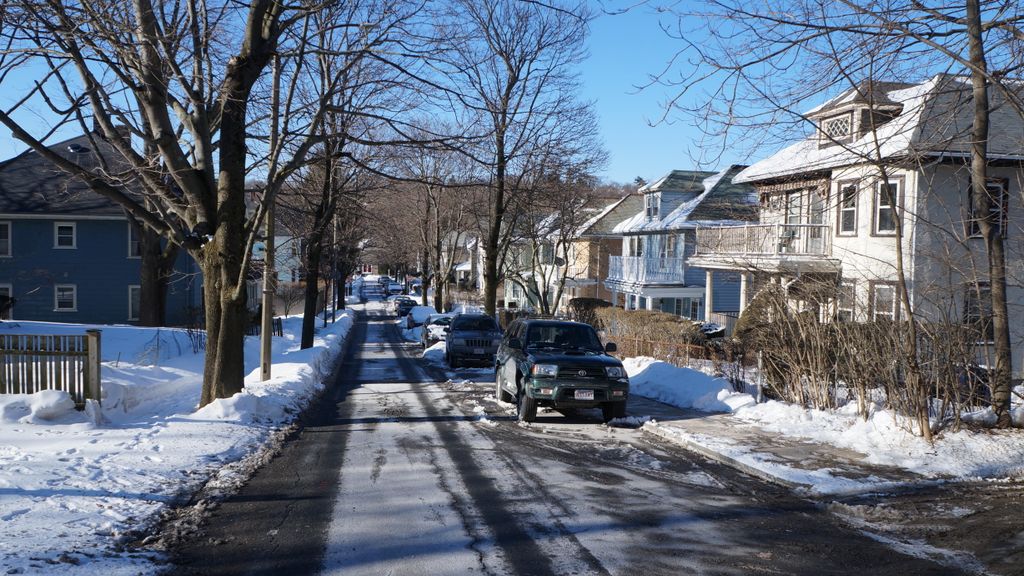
216 89
509 67
765 59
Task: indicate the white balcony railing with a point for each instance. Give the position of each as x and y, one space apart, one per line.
646 270
766 239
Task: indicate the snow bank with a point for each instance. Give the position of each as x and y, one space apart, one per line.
682 387
885 438
435 354
419 314
75 486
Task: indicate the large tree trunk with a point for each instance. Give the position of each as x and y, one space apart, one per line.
497 214
309 310
226 316
991 229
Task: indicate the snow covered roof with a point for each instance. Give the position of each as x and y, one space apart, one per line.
722 202
605 221
935 120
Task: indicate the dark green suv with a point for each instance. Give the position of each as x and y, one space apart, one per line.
558 364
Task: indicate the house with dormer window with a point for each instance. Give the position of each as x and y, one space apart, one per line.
68 254
885 163
654 271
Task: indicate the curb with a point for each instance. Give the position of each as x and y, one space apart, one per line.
655 429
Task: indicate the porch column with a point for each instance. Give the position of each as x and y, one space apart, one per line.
744 287
709 294
650 303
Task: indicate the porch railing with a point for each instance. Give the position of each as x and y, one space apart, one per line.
766 239
646 270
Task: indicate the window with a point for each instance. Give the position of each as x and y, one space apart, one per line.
668 249
64 235
688 308
999 198
134 241
848 209
794 207
883 302
134 301
837 127
65 298
651 202
978 310
636 246
887 196
846 302
6 301
5 239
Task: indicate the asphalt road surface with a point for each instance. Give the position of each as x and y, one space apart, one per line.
401 472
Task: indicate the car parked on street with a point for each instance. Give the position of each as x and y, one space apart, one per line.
472 338
434 329
402 305
559 364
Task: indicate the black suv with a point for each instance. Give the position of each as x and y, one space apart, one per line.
558 364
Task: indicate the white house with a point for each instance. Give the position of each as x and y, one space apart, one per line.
654 271
884 157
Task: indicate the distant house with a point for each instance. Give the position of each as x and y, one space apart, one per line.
885 157
68 254
654 271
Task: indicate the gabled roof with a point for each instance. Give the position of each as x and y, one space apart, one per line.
31 184
722 201
935 120
876 94
605 221
678 181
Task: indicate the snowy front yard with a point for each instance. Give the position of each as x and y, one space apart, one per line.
74 491
882 437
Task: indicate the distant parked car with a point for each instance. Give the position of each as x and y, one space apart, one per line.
403 305
395 288
434 329
472 338
559 364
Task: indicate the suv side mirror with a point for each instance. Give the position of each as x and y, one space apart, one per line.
610 347
515 343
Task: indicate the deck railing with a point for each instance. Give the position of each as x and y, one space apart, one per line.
763 239
30 363
646 270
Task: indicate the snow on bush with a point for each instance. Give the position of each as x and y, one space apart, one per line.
682 387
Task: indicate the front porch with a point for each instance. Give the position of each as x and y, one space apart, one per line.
787 249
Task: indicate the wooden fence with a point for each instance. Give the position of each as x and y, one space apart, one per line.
30 363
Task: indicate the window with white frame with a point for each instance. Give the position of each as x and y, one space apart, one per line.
134 240
838 127
794 207
65 298
5 239
848 209
846 302
883 301
668 248
887 195
134 301
64 235
978 310
6 303
651 205
688 308
636 246
998 208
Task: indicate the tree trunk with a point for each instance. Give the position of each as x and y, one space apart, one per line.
991 230
497 214
309 310
226 316
156 266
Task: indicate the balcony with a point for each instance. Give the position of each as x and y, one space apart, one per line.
783 248
639 270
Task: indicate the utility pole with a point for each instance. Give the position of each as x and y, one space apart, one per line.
269 273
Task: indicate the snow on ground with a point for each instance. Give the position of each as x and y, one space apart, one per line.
73 491
883 437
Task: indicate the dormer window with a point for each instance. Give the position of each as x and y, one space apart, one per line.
837 127
651 205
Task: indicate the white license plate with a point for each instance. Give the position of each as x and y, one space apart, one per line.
478 351
584 395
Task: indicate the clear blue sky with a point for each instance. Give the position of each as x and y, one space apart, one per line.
625 50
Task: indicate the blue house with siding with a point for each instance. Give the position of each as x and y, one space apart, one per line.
68 254
653 272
